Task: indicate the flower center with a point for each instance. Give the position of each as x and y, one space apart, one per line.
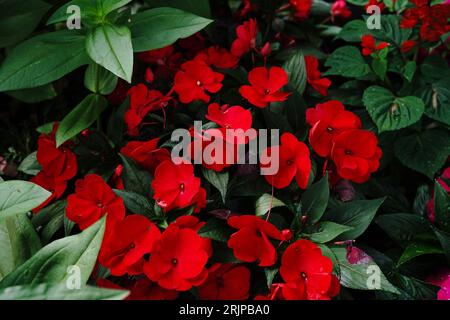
174 262
267 91
330 129
303 275
348 152
182 187
99 204
289 162
199 83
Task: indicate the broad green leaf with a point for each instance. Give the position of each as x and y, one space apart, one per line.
198 7
99 80
160 27
110 46
296 70
20 196
265 203
353 31
444 239
315 200
219 180
80 118
43 59
134 179
295 110
46 291
379 66
34 95
357 214
52 264
418 249
50 220
327 231
437 100
390 30
402 227
441 206
18 19
421 199
18 242
30 165
391 113
409 70
347 62
425 152
216 229
136 203
359 276
434 68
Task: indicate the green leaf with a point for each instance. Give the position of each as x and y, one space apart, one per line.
327 231
353 31
409 70
30 165
216 229
357 276
295 110
270 275
136 203
34 95
18 19
99 80
441 206
134 179
391 113
315 200
348 62
110 46
390 30
296 70
265 203
198 7
47 291
219 180
425 152
437 100
43 59
50 220
402 227
444 239
20 196
81 117
418 249
357 214
379 66
18 242
51 263
160 27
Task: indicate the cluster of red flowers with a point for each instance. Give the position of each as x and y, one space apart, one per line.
369 46
433 19
58 165
336 134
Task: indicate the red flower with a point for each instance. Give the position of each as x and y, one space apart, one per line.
126 243
302 8
369 46
251 243
339 9
193 223
226 282
92 199
408 45
294 161
144 289
194 79
165 60
356 154
307 273
175 186
142 101
246 38
327 120
56 186
146 154
56 162
218 57
178 259
265 86
313 76
227 117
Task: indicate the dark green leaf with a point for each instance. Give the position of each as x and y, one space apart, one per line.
134 179
296 70
136 203
315 200
327 231
219 180
418 249
347 62
99 80
216 229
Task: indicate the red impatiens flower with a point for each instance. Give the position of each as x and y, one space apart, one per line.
226 282
265 85
193 223
141 289
314 76
54 185
175 185
408 45
218 57
302 8
251 243
146 154
195 78
327 120
178 259
339 9
294 161
92 199
227 117
307 273
56 162
143 101
356 154
246 38
125 244
369 46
